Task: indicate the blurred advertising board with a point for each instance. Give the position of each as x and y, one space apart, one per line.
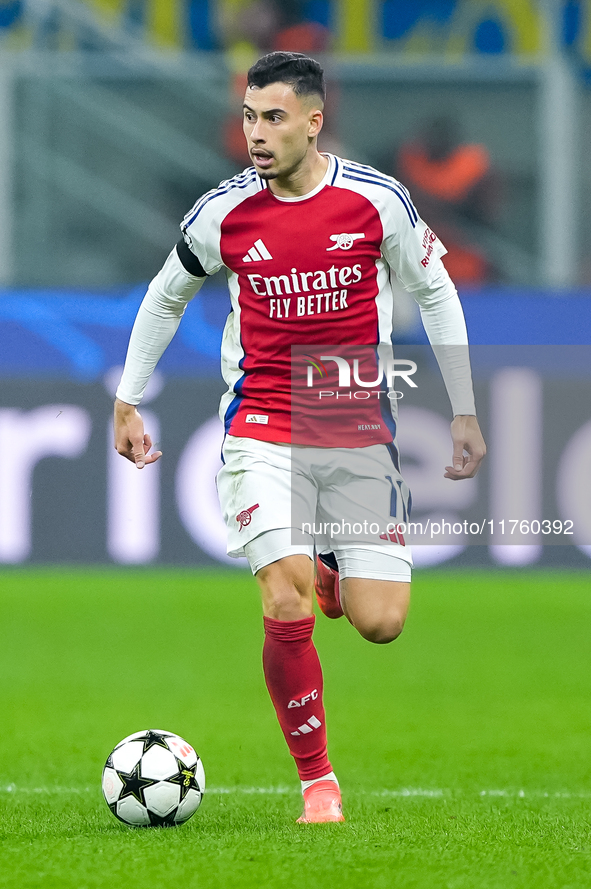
67 497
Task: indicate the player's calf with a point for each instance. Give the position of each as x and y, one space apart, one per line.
294 680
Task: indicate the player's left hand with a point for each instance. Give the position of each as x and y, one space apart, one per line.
469 448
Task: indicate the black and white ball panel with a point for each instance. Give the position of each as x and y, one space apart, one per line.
153 778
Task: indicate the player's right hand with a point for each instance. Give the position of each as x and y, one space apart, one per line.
130 439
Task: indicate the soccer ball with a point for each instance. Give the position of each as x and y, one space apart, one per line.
153 778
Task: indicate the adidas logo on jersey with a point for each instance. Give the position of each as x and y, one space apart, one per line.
257 253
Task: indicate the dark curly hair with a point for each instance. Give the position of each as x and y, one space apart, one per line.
304 75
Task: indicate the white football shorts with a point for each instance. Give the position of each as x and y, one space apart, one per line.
344 500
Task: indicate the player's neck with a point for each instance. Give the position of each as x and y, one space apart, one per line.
303 180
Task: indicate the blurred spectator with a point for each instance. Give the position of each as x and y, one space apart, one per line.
265 25
296 33
258 23
456 191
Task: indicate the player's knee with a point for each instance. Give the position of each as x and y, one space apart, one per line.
284 603
287 595
383 630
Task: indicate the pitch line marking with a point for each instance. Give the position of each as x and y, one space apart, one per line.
403 792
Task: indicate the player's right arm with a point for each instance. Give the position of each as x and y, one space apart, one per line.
130 439
157 320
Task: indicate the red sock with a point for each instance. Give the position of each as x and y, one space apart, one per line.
294 679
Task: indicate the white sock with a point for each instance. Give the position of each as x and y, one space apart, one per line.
330 777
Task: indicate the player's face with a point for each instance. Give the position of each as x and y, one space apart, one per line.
280 128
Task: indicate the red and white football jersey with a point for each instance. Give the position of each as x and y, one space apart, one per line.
307 271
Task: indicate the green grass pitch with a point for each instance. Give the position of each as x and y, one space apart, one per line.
463 749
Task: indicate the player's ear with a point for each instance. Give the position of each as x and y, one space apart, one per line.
315 122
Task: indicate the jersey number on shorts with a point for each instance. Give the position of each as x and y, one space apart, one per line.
405 501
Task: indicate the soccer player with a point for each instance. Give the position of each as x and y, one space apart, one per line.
309 243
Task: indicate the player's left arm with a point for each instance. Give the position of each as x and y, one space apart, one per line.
445 325
414 253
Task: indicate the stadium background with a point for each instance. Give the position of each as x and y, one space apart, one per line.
463 749
117 115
